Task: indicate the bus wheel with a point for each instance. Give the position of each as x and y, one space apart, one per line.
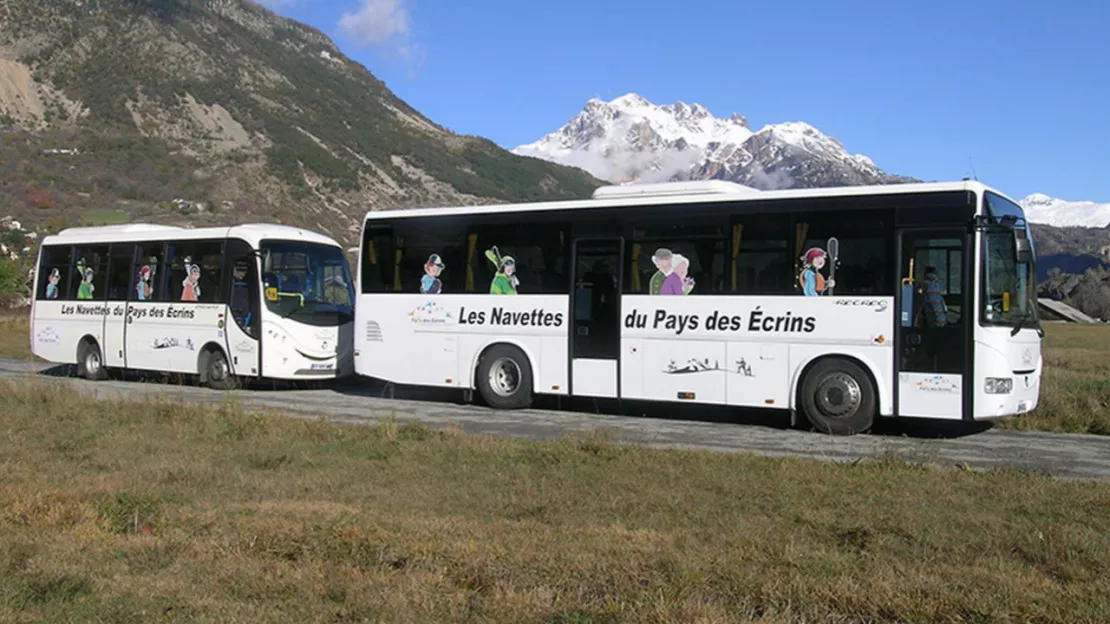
217 373
838 397
505 378
90 364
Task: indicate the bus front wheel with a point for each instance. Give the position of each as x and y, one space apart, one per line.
505 377
90 364
217 373
838 398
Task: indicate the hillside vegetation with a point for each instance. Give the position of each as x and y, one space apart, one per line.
123 106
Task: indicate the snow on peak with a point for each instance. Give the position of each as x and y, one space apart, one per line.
1040 208
629 138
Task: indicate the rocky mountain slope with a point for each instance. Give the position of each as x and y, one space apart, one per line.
221 111
632 139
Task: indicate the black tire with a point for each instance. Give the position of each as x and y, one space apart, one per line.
838 398
217 372
90 361
505 377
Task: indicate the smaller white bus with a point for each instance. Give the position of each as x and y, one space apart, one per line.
223 303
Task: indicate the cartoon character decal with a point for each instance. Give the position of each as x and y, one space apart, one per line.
678 281
144 288
52 283
190 290
429 283
86 288
813 283
504 281
662 259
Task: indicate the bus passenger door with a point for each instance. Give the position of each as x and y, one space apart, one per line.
932 337
244 305
121 259
595 317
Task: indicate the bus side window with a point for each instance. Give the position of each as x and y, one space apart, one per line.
54 273
90 264
120 259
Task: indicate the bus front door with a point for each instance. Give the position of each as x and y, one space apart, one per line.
595 317
244 304
933 313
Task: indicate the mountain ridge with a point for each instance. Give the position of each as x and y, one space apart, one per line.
225 102
629 138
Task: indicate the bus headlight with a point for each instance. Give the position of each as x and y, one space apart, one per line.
999 385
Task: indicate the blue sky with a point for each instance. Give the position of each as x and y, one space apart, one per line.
1020 90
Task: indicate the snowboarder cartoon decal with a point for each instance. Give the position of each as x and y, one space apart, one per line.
504 281
85 290
813 283
190 290
429 283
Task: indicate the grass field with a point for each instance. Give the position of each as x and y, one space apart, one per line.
121 512
1075 395
1075 391
15 337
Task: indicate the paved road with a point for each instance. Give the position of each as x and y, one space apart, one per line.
1063 455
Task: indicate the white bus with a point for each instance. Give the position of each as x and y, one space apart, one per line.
224 303
841 304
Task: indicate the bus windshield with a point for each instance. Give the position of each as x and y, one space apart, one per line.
307 282
1009 286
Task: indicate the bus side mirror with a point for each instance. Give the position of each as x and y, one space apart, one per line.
1023 251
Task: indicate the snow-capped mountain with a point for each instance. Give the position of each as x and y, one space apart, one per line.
1041 208
631 139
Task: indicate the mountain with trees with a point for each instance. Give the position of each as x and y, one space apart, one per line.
221 111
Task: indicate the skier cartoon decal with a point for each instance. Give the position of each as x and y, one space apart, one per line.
429 283
813 283
190 288
52 283
144 287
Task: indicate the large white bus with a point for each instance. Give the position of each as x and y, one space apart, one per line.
224 303
841 304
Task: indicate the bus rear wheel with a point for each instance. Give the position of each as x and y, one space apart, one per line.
505 378
838 398
90 364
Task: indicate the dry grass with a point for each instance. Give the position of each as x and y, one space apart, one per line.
1075 391
15 336
140 511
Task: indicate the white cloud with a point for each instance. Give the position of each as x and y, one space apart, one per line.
378 22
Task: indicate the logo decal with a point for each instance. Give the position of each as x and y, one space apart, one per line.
431 313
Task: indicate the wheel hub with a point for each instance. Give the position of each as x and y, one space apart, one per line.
838 395
504 377
218 369
92 362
